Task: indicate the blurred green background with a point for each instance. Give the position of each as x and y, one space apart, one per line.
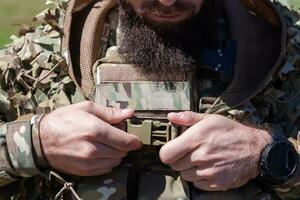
13 13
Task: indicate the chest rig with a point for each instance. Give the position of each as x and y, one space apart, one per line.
152 96
119 84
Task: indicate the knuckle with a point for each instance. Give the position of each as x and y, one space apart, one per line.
191 116
88 105
88 136
110 114
164 157
103 134
211 174
129 143
87 153
207 174
198 157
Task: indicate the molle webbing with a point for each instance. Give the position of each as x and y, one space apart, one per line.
124 86
152 96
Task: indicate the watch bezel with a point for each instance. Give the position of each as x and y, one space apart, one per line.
267 171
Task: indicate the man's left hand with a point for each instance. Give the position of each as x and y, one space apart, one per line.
215 153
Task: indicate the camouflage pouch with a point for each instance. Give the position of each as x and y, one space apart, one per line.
117 185
152 96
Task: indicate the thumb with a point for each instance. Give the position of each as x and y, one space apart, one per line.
107 114
186 118
115 115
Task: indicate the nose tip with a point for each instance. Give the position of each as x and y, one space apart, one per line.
167 2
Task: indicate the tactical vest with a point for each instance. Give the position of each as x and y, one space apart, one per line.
120 84
133 179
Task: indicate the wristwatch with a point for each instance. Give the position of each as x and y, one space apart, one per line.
279 161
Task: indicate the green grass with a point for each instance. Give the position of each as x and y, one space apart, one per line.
13 13
296 2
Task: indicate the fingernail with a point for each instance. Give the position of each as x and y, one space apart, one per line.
177 115
172 114
126 111
181 115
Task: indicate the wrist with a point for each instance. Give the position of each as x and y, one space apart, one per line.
38 152
262 140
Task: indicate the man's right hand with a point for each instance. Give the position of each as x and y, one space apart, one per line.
79 139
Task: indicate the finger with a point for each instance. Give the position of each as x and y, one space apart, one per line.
95 166
103 163
207 185
100 150
116 138
187 118
197 174
180 146
107 114
195 158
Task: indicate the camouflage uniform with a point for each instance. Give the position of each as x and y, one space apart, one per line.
37 77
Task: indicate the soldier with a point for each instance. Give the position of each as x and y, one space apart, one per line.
226 71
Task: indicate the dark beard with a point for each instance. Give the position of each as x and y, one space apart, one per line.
162 48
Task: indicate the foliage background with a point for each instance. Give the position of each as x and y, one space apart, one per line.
14 13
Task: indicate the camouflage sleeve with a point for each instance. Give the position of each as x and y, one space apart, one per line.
6 177
34 79
20 149
282 96
17 157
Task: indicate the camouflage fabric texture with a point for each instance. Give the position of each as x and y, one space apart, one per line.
34 74
141 95
281 96
267 111
140 91
34 79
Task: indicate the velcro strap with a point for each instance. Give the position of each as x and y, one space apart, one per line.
20 148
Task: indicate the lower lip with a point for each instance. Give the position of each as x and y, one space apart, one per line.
167 17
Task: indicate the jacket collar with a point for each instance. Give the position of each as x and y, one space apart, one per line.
260 52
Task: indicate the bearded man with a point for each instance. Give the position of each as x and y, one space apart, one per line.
233 121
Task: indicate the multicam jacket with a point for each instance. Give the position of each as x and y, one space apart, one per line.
50 65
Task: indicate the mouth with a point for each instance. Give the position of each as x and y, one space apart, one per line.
165 17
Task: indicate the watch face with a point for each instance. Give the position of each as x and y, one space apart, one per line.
281 161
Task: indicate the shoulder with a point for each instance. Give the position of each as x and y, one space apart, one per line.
290 11
43 39
32 68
